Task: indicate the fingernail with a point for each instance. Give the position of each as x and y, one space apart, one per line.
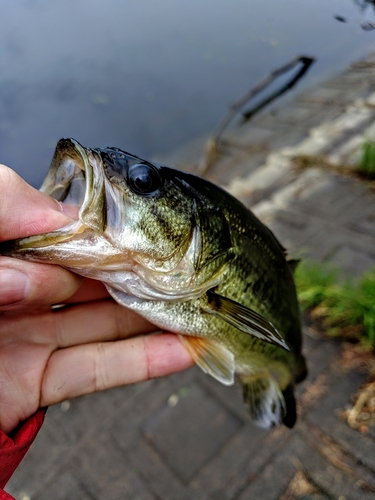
14 286
69 210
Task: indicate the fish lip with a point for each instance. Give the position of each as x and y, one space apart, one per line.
93 211
77 177
66 165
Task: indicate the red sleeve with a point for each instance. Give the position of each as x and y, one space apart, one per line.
14 448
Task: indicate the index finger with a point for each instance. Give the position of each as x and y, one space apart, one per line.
94 367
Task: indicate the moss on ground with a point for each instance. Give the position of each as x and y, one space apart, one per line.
344 308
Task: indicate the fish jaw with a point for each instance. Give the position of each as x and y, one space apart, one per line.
79 241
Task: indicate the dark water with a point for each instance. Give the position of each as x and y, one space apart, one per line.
149 75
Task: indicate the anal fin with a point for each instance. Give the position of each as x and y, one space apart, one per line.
264 399
212 357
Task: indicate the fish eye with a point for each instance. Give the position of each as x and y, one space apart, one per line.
144 179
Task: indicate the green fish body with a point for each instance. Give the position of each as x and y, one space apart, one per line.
187 256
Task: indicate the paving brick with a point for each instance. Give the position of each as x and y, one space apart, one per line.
106 472
322 95
357 78
75 420
63 487
319 361
242 460
153 470
198 424
239 166
250 133
228 471
300 454
289 137
325 416
274 479
147 403
319 194
356 475
334 481
298 111
337 484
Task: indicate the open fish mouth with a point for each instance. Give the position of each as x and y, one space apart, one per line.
76 177
66 179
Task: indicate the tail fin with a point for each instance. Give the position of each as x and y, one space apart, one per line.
290 416
267 405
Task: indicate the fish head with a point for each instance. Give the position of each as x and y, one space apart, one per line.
134 203
135 217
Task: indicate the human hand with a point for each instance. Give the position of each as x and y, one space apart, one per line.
47 356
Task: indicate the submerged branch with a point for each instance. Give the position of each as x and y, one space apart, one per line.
212 145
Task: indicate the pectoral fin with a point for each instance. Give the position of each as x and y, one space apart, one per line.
211 357
245 319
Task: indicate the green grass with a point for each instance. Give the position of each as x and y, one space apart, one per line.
346 309
367 165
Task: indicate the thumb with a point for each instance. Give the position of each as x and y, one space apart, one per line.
25 211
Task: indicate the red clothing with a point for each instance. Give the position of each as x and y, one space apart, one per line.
13 449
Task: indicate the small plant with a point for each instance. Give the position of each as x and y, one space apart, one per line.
367 165
346 309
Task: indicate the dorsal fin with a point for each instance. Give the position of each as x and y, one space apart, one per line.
293 263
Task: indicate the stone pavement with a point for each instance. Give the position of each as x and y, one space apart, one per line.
187 436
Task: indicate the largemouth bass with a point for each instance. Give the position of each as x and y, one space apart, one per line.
187 256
